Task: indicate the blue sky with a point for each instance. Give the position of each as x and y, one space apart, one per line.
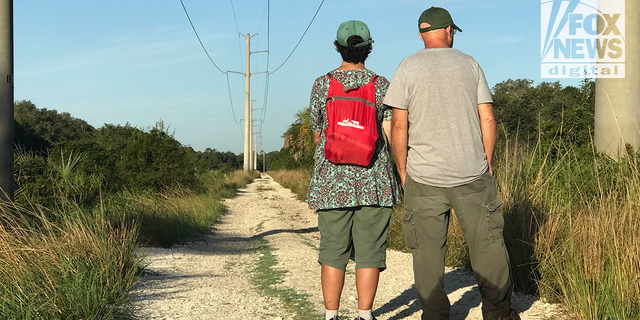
139 61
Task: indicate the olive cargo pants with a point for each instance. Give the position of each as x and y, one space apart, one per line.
426 221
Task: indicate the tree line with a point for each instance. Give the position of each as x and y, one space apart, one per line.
56 152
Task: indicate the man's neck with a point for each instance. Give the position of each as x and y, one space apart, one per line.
436 45
351 66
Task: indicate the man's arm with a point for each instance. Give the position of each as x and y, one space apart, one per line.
489 131
386 128
399 137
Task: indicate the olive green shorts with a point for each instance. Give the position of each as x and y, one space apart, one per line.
358 233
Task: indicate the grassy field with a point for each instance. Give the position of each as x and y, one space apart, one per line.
572 226
74 263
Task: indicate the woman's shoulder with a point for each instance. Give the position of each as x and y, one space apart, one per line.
320 84
383 81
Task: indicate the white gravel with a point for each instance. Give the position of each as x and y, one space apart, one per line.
211 279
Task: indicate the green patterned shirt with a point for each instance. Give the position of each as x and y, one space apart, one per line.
336 186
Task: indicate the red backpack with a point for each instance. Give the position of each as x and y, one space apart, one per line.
353 128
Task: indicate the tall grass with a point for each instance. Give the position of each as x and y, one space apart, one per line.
70 262
178 214
588 247
295 180
78 267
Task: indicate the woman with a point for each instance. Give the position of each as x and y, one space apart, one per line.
354 202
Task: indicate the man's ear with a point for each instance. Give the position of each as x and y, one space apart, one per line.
422 26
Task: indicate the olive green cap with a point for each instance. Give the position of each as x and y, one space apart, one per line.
353 28
438 18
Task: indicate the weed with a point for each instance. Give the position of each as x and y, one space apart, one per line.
267 279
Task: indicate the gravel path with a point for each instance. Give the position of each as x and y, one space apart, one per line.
212 279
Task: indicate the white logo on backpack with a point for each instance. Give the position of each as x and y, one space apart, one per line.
351 123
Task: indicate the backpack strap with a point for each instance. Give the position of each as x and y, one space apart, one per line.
329 76
374 79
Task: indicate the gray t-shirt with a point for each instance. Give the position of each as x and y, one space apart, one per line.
441 88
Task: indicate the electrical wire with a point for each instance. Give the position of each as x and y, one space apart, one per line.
197 36
266 6
233 9
231 100
214 64
305 32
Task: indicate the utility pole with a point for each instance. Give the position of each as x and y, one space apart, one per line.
247 108
252 156
251 135
255 152
264 160
248 117
6 100
617 118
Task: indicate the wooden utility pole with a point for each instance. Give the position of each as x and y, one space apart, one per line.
6 100
617 118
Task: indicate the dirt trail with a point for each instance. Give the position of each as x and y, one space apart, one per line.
212 279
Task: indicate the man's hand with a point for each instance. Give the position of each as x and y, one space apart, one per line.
316 138
399 140
489 131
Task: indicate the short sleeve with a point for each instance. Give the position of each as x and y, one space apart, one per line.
398 92
484 93
382 85
388 115
318 101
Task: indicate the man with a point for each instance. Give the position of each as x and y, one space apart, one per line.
443 139
354 202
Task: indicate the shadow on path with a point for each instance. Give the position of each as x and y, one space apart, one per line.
224 245
406 304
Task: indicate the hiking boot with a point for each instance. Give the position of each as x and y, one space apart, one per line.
336 318
359 318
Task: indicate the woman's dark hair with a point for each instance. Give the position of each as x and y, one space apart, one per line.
353 54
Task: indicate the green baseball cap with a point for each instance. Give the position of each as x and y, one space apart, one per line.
438 18
354 28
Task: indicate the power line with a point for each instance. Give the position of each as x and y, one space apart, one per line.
233 9
231 100
197 36
263 14
305 32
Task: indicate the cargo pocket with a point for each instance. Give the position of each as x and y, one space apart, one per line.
495 220
410 236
